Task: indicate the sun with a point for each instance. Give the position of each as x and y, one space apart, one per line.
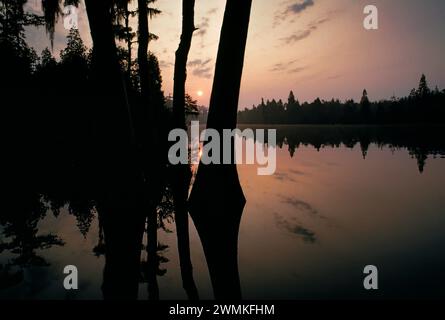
199 93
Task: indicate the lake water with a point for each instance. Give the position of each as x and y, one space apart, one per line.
340 199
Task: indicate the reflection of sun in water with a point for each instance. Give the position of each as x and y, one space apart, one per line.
200 93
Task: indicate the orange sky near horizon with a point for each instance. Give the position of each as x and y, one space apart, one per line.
317 48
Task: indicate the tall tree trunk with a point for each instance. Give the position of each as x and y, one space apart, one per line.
217 200
143 40
120 184
229 65
152 160
181 172
106 75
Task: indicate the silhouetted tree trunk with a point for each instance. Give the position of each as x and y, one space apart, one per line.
129 44
217 200
143 40
106 75
181 172
229 65
153 159
180 75
119 183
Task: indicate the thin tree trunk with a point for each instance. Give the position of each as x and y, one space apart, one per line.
181 172
217 200
129 45
180 75
143 40
152 160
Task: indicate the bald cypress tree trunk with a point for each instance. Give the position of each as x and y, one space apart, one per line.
119 181
106 75
217 200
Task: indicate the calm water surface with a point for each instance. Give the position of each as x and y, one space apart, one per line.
306 232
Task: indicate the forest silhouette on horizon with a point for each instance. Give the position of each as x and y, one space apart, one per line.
423 105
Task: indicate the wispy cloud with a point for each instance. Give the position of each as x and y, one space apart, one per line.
201 68
281 66
294 227
202 27
299 6
198 62
297 69
303 34
203 72
288 66
295 8
212 11
301 205
299 35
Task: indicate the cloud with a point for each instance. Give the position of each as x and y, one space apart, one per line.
291 10
278 67
198 62
282 66
296 70
303 34
201 68
203 72
212 11
283 177
202 27
299 6
299 35
301 205
294 227
288 67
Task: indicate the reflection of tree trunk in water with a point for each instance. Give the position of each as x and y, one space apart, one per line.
216 206
152 255
217 200
123 226
181 184
121 200
181 172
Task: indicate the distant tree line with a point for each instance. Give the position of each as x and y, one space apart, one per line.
423 105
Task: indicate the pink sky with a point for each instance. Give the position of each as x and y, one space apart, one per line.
317 48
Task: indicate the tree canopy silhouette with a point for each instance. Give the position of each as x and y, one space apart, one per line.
421 106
